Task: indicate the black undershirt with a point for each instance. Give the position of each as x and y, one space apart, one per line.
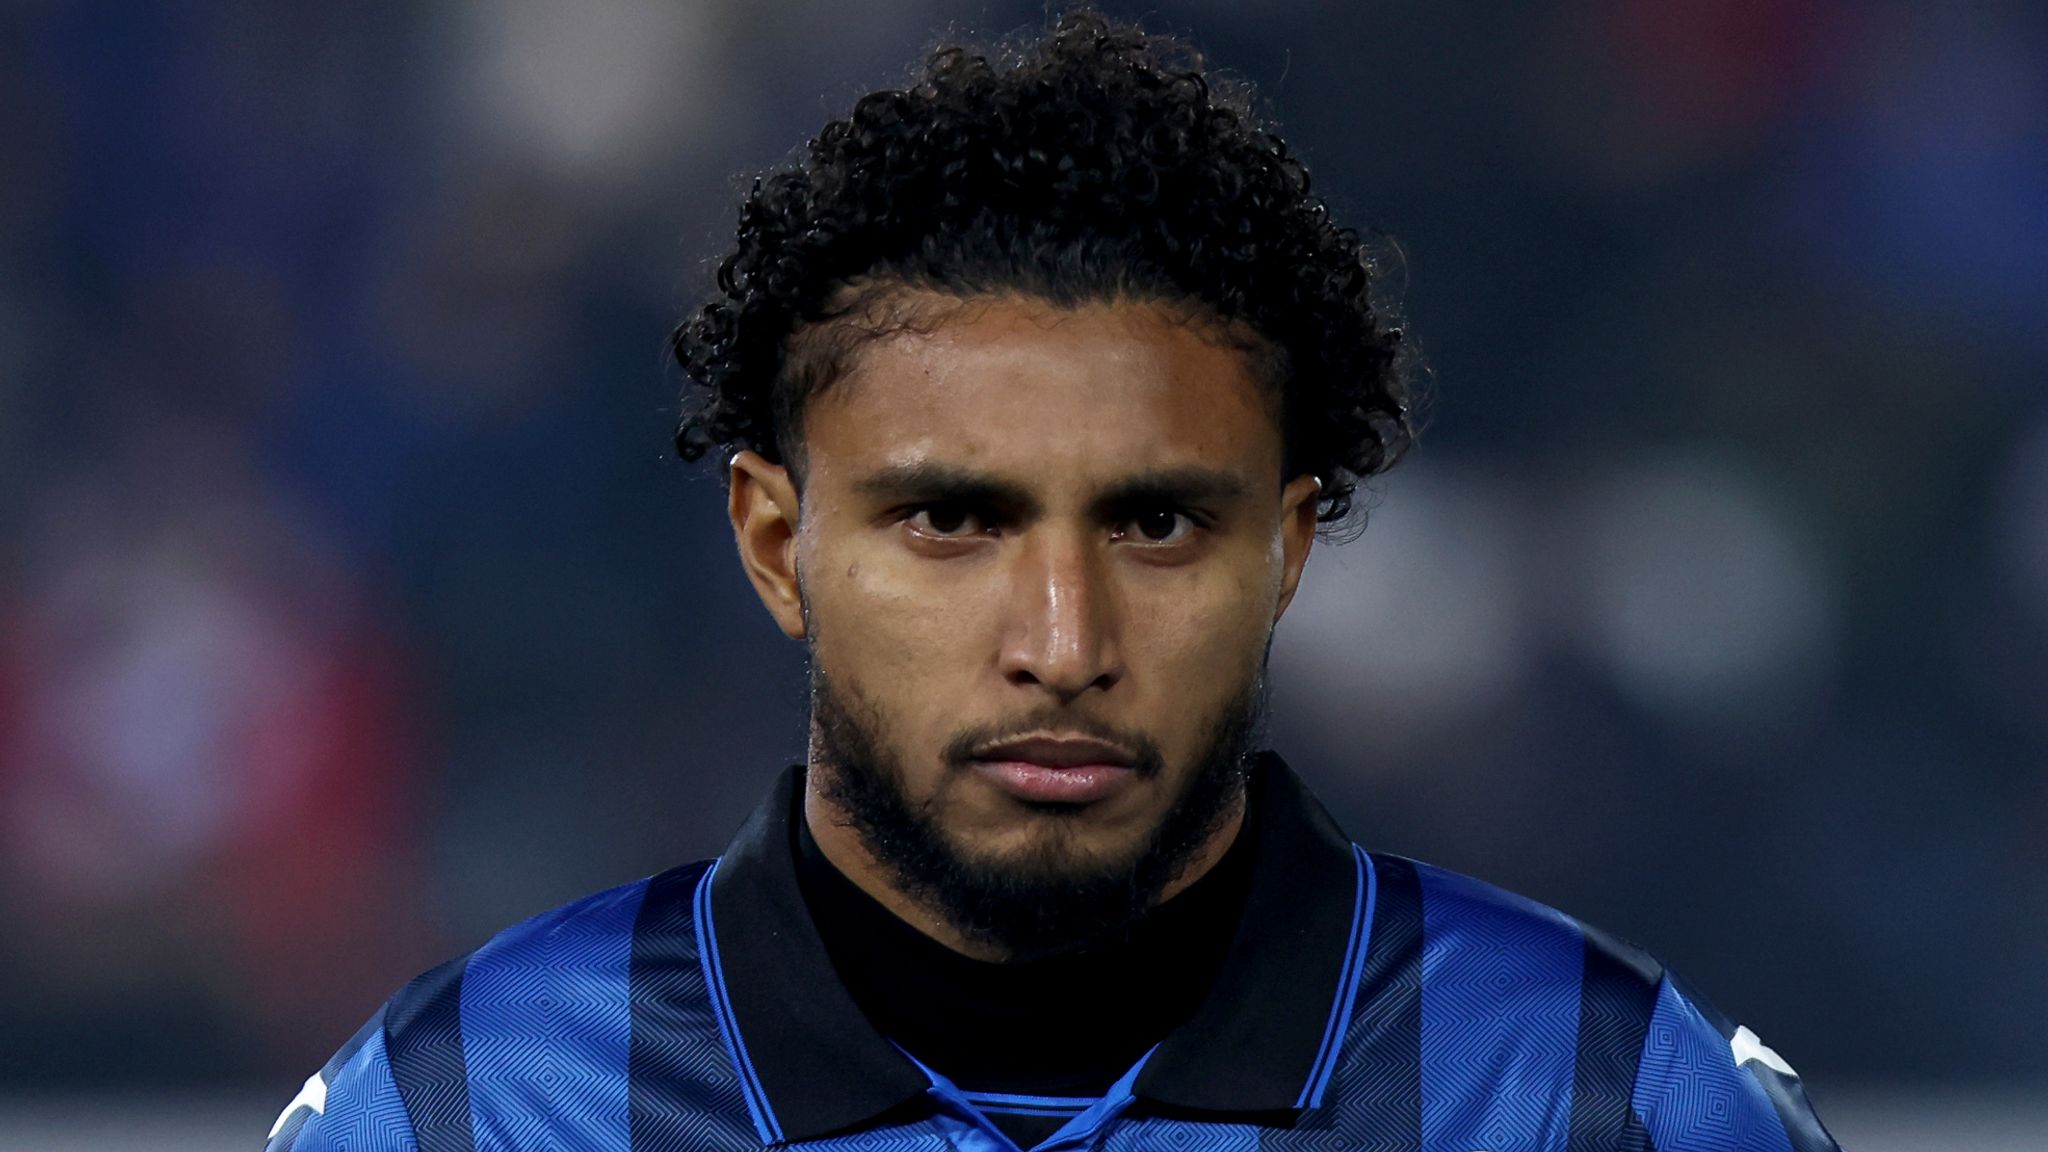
1063 1025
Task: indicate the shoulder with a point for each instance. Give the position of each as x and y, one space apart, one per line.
1707 1082
1488 950
1462 915
1635 1057
583 939
351 1102
1497 975
546 1000
561 974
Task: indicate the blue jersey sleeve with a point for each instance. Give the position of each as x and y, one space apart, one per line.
352 1103
1705 1084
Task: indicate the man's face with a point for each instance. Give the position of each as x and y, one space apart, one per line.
1038 558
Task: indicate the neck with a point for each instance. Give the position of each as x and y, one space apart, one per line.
843 845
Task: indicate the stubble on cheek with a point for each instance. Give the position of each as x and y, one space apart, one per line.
894 655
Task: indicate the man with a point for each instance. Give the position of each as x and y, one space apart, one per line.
1036 381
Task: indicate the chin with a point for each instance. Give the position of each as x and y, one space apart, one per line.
1047 845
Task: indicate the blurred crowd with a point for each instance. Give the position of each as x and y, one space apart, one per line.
353 604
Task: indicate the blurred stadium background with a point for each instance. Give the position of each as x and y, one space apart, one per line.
352 604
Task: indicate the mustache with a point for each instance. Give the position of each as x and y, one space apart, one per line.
966 745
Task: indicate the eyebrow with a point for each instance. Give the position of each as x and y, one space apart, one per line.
1169 486
931 481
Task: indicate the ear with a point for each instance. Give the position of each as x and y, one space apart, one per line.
1298 502
763 506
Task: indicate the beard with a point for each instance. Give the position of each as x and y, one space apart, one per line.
1052 897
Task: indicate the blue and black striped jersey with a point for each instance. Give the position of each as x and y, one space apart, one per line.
1368 1004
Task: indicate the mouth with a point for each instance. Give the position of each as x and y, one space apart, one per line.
1056 770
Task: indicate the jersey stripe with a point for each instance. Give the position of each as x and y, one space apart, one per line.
546 1032
1347 982
1691 1094
363 1111
681 1094
1500 1017
1787 1095
423 1037
1616 999
330 1073
728 1024
331 1070
1377 1091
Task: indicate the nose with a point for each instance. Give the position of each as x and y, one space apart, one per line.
1061 631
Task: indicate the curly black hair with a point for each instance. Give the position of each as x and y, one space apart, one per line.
1095 161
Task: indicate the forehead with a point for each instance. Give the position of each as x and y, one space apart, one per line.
1046 393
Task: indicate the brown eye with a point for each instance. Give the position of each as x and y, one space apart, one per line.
1158 526
944 520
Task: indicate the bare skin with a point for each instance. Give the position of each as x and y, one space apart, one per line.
1023 512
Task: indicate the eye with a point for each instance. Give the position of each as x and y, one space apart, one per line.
945 521
1158 526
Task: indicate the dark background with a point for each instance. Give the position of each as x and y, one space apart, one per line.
353 605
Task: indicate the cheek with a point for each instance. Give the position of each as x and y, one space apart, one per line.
1200 632
910 646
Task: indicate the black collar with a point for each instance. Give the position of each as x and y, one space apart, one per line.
1071 1024
1261 1039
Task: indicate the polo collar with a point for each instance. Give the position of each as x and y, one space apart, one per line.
1262 1042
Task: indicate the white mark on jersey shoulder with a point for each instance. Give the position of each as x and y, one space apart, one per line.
313 1095
1746 1047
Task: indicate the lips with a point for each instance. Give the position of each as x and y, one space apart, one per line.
1057 770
